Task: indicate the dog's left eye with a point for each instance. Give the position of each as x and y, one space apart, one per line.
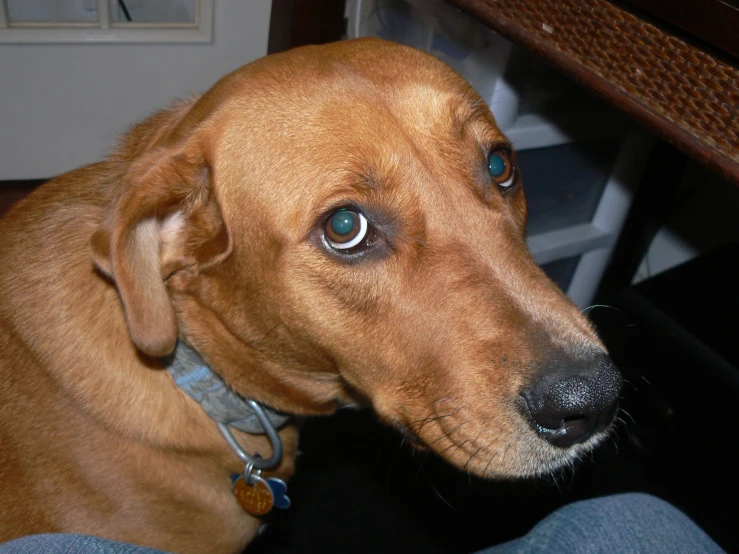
501 168
346 229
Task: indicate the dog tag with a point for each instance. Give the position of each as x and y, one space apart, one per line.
279 493
256 498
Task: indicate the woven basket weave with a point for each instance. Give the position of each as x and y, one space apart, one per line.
684 94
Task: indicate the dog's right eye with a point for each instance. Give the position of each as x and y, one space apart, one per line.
346 229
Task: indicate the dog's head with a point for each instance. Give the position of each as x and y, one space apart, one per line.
345 223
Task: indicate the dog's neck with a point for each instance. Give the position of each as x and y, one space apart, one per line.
221 403
255 494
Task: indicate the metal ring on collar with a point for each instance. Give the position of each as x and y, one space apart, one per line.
274 439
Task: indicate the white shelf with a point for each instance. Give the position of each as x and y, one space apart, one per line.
568 242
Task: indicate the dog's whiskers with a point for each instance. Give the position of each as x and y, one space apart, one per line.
431 444
417 425
467 463
593 306
431 418
430 404
627 415
436 491
448 434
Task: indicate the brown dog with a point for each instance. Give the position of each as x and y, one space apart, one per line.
335 225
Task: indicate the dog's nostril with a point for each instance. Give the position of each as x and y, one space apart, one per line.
568 407
575 430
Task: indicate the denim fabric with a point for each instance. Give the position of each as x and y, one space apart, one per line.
627 523
631 523
71 544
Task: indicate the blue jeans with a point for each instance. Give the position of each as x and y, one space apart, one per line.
632 523
626 523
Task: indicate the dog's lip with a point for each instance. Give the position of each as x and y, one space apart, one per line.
548 457
408 435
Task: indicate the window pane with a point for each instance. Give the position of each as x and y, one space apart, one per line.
52 11
146 11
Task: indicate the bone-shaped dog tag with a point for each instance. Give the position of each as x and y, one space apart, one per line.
256 497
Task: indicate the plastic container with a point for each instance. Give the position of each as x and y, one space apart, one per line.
470 48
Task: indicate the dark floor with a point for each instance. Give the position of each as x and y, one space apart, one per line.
358 489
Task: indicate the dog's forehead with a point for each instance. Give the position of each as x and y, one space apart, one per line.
413 89
354 118
373 75
353 89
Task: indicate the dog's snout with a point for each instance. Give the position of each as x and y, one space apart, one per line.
572 402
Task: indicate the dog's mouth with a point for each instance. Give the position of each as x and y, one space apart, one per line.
506 451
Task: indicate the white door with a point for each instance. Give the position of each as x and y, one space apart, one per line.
62 104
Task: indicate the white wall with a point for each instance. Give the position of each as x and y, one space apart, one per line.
62 106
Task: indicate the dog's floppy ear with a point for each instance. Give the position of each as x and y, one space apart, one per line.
167 220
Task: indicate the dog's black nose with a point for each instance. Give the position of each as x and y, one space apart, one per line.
573 400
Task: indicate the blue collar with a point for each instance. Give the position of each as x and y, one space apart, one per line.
222 404
227 408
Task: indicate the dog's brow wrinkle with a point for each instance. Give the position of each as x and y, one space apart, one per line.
468 110
363 178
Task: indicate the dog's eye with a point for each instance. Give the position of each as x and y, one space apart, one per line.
346 229
501 168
